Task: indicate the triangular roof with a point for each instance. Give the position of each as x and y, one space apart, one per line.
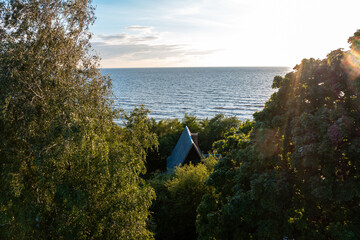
181 150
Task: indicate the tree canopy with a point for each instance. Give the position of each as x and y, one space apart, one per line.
67 171
295 174
168 132
178 196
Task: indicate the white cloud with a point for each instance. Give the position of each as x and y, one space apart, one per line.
260 32
145 51
143 44
127 38
115 37
137 27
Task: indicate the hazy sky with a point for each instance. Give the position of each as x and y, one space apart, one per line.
189 33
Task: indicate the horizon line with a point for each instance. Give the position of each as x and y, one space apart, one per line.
195 67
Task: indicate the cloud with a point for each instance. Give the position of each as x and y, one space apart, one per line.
143 44
135 52
127 38
148 38
115 37
142 34
139 28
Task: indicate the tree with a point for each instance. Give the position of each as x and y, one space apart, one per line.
178 196
192 122
215 129
296 175
168 132
67 171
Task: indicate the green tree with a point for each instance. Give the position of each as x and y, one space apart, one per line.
168 132
215 129
178 196
192 122
297 173
67 171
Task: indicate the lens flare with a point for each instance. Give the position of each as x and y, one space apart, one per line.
351 61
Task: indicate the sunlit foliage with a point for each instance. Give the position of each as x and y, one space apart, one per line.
67 171
296 174
178 196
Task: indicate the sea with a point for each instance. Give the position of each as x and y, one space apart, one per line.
199 91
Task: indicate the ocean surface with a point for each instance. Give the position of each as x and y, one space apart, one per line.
203 92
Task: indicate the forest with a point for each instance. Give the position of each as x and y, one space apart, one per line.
69 172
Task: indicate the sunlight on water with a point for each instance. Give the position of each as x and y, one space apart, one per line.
204 92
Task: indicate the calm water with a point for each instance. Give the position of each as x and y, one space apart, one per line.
204 92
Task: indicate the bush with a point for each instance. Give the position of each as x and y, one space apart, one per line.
178 196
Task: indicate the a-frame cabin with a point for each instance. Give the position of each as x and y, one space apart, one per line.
185 151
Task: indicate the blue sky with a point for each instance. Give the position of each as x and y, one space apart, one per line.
185 33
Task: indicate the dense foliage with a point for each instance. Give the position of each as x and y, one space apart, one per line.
168 132
178 196
295 174
67 171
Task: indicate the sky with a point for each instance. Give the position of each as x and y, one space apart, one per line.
211 33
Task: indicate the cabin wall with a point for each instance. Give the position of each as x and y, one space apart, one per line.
192 156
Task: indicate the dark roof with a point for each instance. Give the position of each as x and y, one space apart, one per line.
181 150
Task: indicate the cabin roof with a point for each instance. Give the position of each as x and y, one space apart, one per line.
181 150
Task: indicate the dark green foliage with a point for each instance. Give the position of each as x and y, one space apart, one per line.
193 123
296 174
178 196
168 132
211 221
215 129
67 171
